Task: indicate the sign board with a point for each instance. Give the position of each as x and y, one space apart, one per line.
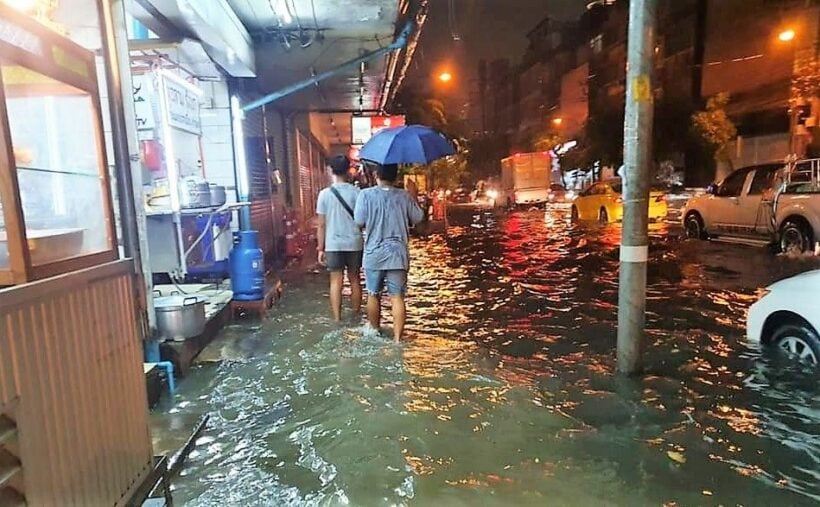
360 126
365 127
182 102
142 89
378 123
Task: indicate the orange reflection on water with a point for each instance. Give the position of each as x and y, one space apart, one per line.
740 420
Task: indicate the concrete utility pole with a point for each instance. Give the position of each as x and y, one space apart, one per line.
636 175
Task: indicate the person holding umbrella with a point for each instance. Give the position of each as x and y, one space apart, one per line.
386 214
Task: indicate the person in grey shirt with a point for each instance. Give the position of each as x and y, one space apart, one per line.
386 214
339 238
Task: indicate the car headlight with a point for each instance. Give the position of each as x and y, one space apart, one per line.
492 194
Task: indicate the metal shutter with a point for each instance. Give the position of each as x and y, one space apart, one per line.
259 180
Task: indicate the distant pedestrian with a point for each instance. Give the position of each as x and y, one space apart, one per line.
339 238
386 213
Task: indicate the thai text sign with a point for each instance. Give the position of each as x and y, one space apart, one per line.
182 105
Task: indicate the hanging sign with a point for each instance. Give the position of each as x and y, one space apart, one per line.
182 104
361 129
142 90
365 127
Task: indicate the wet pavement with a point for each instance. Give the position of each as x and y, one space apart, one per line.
504 393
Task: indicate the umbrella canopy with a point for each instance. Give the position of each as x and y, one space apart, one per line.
412 144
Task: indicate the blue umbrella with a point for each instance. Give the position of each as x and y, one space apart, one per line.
412 144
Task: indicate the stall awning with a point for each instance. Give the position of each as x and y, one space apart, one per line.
213 23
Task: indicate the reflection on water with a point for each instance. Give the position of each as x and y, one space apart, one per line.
504 393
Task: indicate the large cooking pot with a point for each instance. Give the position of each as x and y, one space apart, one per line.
180 317
194 194
218 195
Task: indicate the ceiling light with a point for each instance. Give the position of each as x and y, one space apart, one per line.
21 5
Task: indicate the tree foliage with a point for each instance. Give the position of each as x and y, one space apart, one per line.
546 140
714 128
447 173
604 136
432 112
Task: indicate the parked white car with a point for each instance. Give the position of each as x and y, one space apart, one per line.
747 205
788 317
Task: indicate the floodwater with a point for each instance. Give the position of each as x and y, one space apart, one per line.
504 393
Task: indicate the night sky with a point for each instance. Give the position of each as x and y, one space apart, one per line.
488 28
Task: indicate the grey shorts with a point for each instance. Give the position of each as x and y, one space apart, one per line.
339 261
394 280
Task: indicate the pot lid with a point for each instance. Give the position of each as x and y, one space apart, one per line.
178 301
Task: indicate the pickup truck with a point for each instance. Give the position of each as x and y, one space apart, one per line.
769 202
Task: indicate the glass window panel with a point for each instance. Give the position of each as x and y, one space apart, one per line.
53 134
733 185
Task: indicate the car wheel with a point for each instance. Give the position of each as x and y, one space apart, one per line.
798 341
795 237
573 215
694 228
603 216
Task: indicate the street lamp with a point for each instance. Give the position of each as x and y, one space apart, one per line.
557 121
445 77
786 35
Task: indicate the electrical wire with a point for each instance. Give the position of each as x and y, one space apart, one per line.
294 14
328 47
313 9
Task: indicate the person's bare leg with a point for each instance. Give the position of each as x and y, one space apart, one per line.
355 291
336 282
399 316
374 311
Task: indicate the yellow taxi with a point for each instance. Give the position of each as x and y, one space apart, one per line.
603 202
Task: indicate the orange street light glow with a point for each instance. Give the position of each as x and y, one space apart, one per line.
786 35
445 77
557 121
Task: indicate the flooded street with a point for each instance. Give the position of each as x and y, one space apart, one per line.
504 393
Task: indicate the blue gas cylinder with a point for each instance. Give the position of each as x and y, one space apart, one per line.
247 265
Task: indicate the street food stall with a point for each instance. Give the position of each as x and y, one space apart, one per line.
54 185
73 408
189 218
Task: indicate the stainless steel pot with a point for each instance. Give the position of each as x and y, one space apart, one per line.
218 195
194 195
180 317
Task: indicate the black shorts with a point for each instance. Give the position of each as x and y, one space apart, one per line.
338 261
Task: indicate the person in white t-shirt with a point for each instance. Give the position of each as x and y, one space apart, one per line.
339 239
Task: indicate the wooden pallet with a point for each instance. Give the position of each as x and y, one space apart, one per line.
259 308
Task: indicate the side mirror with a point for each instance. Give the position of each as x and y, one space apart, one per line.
712 189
